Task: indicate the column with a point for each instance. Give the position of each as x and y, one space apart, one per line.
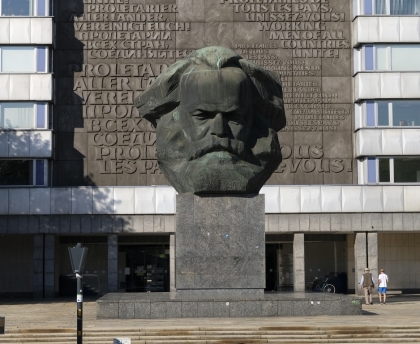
365 255
360 259
49 262
299 261
351 270
38 287
112 263
172 262
372 250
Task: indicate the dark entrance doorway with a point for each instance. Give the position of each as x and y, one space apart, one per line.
143 264
326 258
279 262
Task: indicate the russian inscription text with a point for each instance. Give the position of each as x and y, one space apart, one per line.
127 44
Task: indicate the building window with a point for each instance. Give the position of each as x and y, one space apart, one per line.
392 113
15 8
390 7
23 116
23 172
393 170
16 59
381 57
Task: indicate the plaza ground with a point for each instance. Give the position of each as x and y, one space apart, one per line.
400 310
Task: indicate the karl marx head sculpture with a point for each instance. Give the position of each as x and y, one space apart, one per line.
216 117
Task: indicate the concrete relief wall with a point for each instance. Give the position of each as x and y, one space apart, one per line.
108 52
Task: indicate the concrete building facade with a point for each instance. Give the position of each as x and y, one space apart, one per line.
78 164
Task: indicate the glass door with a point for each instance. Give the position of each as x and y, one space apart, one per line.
143 268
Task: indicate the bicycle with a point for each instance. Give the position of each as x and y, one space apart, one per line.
318 285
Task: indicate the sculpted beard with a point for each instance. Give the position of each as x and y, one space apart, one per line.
198 162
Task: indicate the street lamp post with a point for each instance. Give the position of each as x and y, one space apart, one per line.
78 258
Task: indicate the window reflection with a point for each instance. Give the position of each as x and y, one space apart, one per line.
17 59
24 59
381 57
16 172
394 170
384 176
406 113
17 115
406 170
397 7
405 57
17 7
404 7
394 113
383 114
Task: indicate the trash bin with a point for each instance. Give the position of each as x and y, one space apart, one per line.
2 322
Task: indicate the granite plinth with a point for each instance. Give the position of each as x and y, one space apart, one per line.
222 292
220 244
174 305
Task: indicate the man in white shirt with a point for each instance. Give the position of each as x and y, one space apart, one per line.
383 284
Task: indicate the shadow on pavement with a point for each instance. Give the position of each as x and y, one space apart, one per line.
32 301
368 313
402 298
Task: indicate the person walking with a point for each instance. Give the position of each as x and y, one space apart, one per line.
383 284
367 283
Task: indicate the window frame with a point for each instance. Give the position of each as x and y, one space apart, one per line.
35 116
391 102
34 174
362 5
34 10
361 61
365 171
36 56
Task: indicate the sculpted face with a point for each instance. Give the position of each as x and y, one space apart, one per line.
216 103
209 143
216 112
216 123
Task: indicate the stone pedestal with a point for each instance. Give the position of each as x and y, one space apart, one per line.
220 269
220 244
173 305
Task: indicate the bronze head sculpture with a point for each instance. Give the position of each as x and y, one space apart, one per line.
216 117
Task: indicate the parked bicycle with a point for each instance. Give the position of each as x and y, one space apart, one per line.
318 285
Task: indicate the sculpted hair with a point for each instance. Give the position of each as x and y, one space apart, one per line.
163 95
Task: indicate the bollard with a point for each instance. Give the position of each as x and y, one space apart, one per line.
122 341
2 324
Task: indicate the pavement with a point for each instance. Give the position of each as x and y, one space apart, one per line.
400 310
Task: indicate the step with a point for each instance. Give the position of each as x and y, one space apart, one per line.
220 335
